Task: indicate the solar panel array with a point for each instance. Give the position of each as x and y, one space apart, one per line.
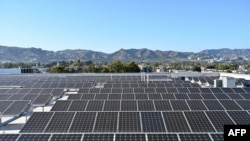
130 109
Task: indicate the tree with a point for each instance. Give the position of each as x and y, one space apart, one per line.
196 68
115 66
131 67
57 69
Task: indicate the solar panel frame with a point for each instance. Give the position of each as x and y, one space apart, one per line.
129 122
179 105
152 122
78 105
37 122
83 122
194 137
162 137
106 122
219 119
146 105
98 137
176 122
130 137
199 122
60 122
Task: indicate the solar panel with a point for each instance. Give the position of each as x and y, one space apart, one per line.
194 137
126 85
74 97
175 122
33 137
154 96
127 90
106 122
66 137
98 137
101 96
235 96
83 122
41 100
116 90
78 105
88 97
239 117
152 122
60 122
95 106
16 108
162 137
162 105
128 105
48 91
195 85
247 90
4 105
17 97
84 90
114 97
61 105
245 104
219 119
128 96
160 90
230 105
221 96
57 92
5 96
217 137
168 96
216 90
8 137
94 90
199 122
227 90
205 90
194 90
183 90
30 97
172 90
179 105
129 122
194 96
181 96
196 105
150 90
213 105
105 90
37 122
246 96
208 96
130 137
35 91
145 105
79 85
239 90
141 96
168 85
24 90
112 106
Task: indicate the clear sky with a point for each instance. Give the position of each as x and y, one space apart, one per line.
109 25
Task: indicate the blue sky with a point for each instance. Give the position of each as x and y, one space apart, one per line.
108 25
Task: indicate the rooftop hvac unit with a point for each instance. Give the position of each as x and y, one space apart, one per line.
217 83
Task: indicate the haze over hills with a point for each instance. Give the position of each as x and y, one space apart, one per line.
18 54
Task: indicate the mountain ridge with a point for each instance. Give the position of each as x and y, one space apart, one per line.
32 54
